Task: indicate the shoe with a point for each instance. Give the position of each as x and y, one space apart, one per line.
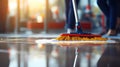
112 33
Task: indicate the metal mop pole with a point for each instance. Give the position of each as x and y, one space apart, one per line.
77 28
77 24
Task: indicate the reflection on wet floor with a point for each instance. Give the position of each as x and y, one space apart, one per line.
57 57
24 52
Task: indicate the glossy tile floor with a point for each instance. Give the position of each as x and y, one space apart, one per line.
25 52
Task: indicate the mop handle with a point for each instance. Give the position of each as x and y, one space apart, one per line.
75 10
77 24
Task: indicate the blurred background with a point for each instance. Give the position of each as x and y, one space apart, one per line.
43 16
46 18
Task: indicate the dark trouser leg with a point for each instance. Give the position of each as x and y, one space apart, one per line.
71 17
113 13
103 5
67 9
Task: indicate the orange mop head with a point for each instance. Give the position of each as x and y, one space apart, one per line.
81 37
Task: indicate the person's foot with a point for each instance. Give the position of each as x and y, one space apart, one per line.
111 32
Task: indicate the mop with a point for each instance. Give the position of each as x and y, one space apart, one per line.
79 34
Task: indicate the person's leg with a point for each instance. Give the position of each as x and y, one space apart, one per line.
113 13
71 17
67 9
66 12
113 17
104 7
